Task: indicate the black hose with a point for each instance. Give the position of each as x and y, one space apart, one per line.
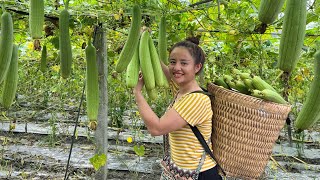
74 133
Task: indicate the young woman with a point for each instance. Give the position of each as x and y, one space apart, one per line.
186 155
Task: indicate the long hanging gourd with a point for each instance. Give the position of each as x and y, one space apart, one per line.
6 44
162 40
92 83
292 36
132 74
269 10
310 112
145 61
156 66
43 62
36 18
132 41
11 80
65 44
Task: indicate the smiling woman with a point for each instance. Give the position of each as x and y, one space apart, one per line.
184 154
182 66
186 62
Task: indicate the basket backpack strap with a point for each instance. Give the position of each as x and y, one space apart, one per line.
204 91
202 141
199 136
205 145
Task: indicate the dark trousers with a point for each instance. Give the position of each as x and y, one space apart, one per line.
210 174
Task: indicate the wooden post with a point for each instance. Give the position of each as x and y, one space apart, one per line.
101 134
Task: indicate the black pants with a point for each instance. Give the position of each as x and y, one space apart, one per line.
210 174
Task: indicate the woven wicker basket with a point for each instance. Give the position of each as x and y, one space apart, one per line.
245 130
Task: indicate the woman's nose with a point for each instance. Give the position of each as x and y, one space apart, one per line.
176 66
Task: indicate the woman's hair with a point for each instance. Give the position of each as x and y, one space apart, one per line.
192 45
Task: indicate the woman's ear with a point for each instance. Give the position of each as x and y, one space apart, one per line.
198 67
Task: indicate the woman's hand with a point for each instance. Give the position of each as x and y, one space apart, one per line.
140 84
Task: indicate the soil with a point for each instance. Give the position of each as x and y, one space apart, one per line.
37 149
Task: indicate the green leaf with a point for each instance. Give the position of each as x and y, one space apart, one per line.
111 54
98 161
139 150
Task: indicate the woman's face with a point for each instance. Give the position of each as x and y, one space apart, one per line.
182 66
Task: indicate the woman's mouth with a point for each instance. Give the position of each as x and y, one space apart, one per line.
177 75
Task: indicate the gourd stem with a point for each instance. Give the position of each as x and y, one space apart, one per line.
285 76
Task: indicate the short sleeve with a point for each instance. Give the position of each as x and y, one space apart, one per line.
194 108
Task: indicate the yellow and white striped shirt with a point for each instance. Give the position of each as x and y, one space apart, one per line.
185 148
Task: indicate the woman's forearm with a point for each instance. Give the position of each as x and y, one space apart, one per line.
150 119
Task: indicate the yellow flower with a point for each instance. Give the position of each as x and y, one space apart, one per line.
116 16
121 11
137 113
129 139
305 71
30 45
298 78
56 68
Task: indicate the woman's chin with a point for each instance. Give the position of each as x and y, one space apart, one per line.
178 81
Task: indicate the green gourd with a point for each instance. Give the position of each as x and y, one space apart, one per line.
158 73
65 44
293 33
145 61
132 41
92 83
269 10
11 80
6 44
261 84
132 74
43 63
36 18
310 112
162 40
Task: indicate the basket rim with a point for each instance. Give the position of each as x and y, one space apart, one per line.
288 105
